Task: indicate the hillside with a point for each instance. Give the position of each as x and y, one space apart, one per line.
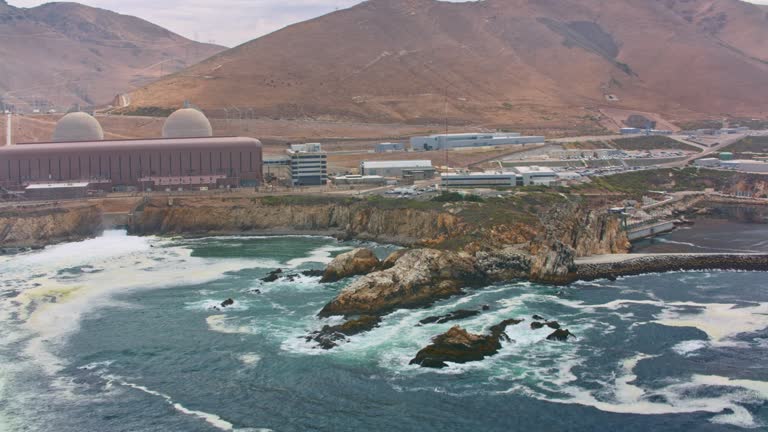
58 54
499 62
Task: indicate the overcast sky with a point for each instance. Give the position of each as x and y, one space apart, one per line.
226 22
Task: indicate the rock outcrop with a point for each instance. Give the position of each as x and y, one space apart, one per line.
44 225
330 336
570 232
459 346
418 278
560 335
452 316
359 261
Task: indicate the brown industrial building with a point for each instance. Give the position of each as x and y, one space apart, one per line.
170 163
135 164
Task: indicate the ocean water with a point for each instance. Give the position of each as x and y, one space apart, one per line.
118 333
729 229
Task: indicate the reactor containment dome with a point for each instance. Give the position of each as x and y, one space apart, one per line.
78 126
187 123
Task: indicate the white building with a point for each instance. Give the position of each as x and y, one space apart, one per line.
398 168
535 175
520 176
452 141
309 165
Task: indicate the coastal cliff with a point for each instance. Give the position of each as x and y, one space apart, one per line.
37 226
340 218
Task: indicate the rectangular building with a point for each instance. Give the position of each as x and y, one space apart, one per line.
480 180
133 164
631 131
371 180
707 162
54 191
418 168
536 176
389 147
453 141
309 165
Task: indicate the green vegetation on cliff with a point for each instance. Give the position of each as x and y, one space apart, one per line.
638 183
754 144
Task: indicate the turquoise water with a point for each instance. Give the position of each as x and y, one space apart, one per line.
118 334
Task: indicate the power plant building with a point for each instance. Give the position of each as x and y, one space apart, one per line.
453 141
77 156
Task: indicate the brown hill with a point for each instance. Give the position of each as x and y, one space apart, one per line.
58 54
499 62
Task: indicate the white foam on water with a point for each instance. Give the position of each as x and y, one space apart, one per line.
625 397
689 347
212 419
225 325
51 307
319 255
208 305
249 359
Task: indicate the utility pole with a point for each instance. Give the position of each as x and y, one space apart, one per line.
8 129
445 142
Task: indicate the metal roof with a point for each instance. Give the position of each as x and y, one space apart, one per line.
397 164
57 185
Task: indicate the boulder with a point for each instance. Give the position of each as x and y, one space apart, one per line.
452 316
273 276
459 346
419 277
541 324
561 335
359 261
313 273
227 302
329 336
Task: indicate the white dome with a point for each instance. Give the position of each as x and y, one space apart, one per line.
187 123
78 126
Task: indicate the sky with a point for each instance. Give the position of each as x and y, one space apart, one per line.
225 22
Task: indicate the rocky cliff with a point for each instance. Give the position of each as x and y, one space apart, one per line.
570 232
345 219
42 225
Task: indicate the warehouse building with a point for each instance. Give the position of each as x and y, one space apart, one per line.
78 154
389 147
536 175
465 140
350 180
519 176
419 169
309 165
480 180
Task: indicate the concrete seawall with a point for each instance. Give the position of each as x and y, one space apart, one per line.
611 266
